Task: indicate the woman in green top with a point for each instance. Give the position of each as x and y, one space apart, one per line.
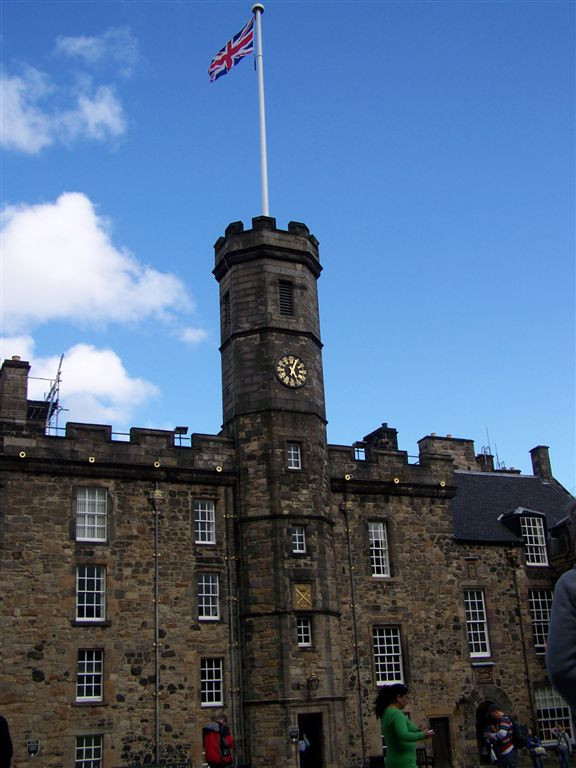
400 735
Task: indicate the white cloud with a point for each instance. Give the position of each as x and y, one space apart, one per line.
193 335
28 125
95 386
59 263
115 46
23 125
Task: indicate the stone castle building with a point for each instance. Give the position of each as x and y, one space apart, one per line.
149 586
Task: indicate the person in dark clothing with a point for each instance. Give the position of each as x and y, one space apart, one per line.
6 749
561 645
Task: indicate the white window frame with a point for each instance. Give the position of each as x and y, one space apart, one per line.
551 709
293 456
534 536
379 553
90 593
299 540
90 675
204 521
304 631
91 514
88 753
476 624
387 654
208 590
211 682
540 604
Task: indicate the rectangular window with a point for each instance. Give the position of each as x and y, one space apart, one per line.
379 560
88 752
298 540
91 513
534 540
204 522
387 655
90 675
208 596
211 682
90 593
293 456
540 603
476 623
226 310
286 297
550 710
304 631
360 453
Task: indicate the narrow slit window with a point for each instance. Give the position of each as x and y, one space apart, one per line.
286 297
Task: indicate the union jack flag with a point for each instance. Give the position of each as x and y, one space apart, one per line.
234 51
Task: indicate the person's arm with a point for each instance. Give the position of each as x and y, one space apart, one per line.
561 646
403 731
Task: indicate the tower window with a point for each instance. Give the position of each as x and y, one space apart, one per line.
298 540
304 631
293 456
226 310
286 297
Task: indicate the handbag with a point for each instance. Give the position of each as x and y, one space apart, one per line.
539 750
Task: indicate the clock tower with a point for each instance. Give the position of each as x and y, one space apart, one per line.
273 407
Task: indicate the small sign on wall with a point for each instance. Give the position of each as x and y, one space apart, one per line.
32 747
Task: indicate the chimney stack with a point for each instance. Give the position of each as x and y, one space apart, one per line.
541 462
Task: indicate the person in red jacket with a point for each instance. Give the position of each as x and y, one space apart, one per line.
218 744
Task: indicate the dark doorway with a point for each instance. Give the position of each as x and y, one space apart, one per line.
441 742
310 726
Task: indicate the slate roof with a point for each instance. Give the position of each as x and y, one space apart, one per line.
483 497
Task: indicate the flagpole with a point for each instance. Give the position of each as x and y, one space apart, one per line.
258 10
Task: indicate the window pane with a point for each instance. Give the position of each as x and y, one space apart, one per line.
299 539
304 631
293 456
208 596
89 679
540 602
387 655
88 752
534 540
211 682
91 514
476 623
204 522
379 559
90 593
551 709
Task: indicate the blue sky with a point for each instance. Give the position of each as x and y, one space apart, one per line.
429 146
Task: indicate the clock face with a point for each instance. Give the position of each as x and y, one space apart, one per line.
291 371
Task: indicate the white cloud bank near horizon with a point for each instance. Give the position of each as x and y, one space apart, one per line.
97 387
59 263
